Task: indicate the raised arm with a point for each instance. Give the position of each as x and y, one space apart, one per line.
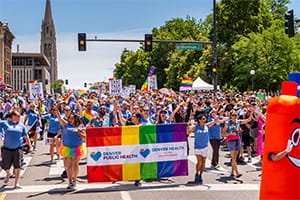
61 120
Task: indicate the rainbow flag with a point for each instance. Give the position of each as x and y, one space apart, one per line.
92 95
145 85
41 106
136 152
169 99
87 116
111 99
79 92
70 98
186 82
154 92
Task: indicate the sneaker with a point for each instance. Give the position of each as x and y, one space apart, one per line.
34 148
238 176
198 179
70 186
137 183
74 184
6 179
18 186
64 174
41 138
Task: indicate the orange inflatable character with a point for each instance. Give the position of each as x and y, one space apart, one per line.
281 160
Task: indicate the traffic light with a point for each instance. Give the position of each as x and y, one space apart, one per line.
214 70
148 42
208 70
85 85
66 82
81 42
289 23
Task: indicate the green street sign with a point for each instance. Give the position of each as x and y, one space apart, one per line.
188 46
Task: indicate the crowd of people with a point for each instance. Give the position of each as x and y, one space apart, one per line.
237 119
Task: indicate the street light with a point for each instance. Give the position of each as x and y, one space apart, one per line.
252 72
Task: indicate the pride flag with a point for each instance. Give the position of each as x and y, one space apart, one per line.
87 116
92 94
136 152
186 82
169 99
145 85
70 98
2 86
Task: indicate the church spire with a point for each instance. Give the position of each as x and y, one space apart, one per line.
48 41
48 14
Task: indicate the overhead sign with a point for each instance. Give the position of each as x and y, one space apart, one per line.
188 46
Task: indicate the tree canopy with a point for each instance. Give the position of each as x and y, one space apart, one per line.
250 35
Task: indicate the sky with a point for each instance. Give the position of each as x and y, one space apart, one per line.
105 19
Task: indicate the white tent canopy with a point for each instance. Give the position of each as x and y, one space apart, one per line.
199 84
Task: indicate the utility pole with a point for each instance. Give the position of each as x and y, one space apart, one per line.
215 60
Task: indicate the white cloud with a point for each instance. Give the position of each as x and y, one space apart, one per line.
96 64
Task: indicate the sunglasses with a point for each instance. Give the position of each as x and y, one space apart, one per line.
203 118
146 110
234 115
67 109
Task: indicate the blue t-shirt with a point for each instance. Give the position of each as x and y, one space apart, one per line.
54 124
214 132
201 137
13 134
71 136
32 117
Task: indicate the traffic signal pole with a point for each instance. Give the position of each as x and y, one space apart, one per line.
215 60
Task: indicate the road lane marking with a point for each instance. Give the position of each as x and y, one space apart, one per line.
2 197
55 188
57 168
125 195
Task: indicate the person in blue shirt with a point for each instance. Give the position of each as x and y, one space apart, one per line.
102 119
53 129
201 144
33 120
11 151
215 137
73 148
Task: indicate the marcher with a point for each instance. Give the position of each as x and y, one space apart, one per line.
72 149
201 144
11 151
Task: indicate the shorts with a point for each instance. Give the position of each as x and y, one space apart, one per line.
202 152
11 157
254 132
51 135
234 145
246 138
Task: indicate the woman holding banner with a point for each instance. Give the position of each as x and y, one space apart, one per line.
73 148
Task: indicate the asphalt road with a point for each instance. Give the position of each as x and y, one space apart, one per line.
41 179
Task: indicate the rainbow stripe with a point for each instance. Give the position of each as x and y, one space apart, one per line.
92 95
186 82
136 152
87 116
70 98
35 81
169 99
145 85
111 99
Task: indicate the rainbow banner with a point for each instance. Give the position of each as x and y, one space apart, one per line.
92 95
136 152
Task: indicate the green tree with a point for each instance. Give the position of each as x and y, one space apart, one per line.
271 54
56 86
